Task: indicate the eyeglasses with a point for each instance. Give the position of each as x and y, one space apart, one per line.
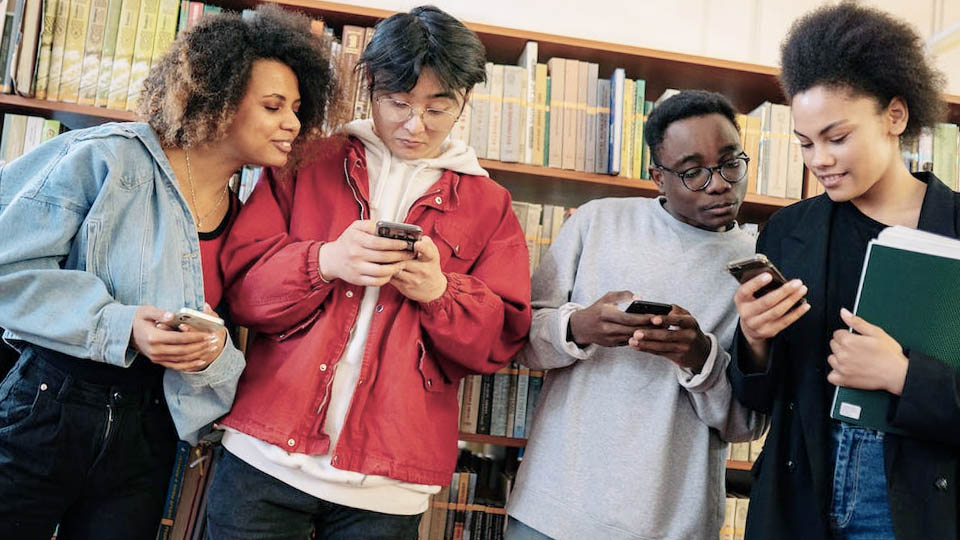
395 110
698 178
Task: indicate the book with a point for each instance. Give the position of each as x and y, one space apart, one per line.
540 107
480 115
29 40
616 120
73 47
602 164
571 100
528 61
53 72
495 85
33 134
172 500
42 79
908 287
512 123
583 103
90 65
142 50
123 55
110 35
556 67
167 16
590 138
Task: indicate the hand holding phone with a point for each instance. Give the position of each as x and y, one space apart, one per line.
196 320
361 256
642 307
400 231
746 269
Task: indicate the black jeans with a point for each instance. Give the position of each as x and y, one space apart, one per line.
94 458
246 503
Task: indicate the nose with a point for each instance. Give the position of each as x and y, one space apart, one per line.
414 124
821 158
291 122
718 184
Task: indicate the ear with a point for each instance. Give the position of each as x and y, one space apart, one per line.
657 176
896 116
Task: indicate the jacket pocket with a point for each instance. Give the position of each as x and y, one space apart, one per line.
22 399
460 242
433 379
297 328
96 256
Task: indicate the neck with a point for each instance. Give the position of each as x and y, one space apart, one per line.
895 199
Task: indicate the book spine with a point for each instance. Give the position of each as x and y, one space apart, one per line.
123 56
110 34
50 8
583 86
480 116
603 126
636 167
616 120
539 107
496 112
556 67
16 36
511 128
528 61
73 48
142 50
167 16
590 156
93 49
571 89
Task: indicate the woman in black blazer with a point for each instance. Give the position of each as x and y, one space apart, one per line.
858 81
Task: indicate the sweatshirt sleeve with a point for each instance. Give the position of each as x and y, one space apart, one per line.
711 395
552 287
272 280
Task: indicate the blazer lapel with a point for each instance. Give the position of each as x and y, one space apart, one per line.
804 253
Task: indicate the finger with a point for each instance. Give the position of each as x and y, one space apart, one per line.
617 297
665 336
784 306
375 270
617 331
658 347
680 321
835 378
179 353
364 225
746 290
384 257
426 250
615 315
833 361
858 324
379 243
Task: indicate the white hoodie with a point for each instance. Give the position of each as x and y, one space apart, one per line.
395 185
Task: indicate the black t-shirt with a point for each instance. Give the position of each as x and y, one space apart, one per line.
850 232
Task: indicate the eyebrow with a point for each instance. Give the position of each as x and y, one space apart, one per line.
826 129
278 96
695 157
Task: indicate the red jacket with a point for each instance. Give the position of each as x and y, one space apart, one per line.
403 419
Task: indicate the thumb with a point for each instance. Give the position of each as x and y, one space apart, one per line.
426 249
618 297
857 324
153 313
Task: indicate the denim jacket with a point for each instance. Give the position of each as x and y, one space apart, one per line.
92 225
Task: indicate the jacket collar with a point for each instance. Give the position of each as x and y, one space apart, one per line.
151 142
939 212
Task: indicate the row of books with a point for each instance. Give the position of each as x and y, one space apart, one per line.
22 134
936 150
746 451
541 224
91 52
184 511
472 507
734 518
501 404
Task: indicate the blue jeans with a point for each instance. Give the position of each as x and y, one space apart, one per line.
859 509
94 458
518 530
247 503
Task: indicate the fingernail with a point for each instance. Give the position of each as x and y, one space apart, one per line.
656 320
845 312
796 284
639 336
168 315
765 277
213 337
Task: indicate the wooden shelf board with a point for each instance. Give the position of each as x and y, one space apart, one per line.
44 106
493 439
739 465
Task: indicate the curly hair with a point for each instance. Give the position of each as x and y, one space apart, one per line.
866 51
686 104
191 95
427 37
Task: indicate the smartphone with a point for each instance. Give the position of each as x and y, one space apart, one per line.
746 269
400 231
196 319
642 307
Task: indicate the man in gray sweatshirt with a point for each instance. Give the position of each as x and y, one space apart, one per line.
629 437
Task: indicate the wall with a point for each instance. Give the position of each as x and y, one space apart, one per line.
743 30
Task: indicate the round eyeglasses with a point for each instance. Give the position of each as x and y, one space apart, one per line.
434 119
698 178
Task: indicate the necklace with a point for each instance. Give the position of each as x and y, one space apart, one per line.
193 193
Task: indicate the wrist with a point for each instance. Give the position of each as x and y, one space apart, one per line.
323 268
572 327
898 375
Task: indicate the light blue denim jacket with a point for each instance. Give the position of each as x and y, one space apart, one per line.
92 225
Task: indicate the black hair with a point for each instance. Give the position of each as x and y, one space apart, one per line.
426 37
686 104
866 51
191 94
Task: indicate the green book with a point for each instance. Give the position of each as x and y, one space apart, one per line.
910 288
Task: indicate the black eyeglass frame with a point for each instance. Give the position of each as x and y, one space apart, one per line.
715 169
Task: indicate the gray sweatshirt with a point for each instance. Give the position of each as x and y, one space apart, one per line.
627 444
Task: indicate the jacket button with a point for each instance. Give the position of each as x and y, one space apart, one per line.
438 200
336 459
430 383
43 387
379 308
457 248
291 442
349 294
323 367
791 466
790 406
941 484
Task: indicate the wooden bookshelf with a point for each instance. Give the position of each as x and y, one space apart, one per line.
521 443
70 114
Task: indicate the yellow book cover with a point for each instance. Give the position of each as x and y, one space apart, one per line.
109 49
751 146
626 141
730 509
29 40
540 113
740 518
50 9
56 49
142 50
166 28
123 55
639 119
73 51
90 74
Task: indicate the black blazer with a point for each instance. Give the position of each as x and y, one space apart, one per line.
793 477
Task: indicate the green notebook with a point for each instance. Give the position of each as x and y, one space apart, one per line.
910 287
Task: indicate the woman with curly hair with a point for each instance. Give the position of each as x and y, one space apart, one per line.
858 83
107 231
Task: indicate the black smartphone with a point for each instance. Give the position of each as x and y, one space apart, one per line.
642 307
746 269
400 231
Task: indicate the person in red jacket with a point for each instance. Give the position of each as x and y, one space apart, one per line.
346 418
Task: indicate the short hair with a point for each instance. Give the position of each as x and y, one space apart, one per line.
866 51
426 37
680 106
191 95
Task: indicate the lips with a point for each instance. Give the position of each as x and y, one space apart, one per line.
722 208
283 146
831 180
